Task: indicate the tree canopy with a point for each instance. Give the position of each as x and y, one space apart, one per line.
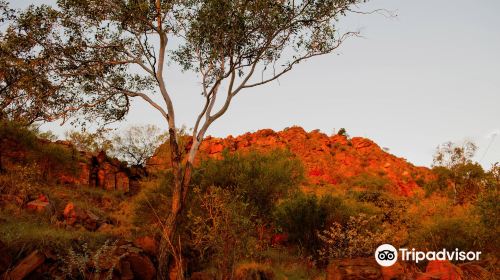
84 60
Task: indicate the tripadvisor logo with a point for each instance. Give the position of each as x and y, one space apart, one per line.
387 255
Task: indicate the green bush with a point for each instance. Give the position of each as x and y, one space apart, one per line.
152 205
368 181
260 179
218 230
440 184
464 232
53 158
50 157
21 134
302 216
359 238
488 208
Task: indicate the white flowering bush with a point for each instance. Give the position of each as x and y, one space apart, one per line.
359 238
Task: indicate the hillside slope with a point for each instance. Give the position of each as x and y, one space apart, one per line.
328 160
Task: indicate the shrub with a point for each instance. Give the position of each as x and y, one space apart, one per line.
218 228
302 216
462 231
12 133
21 180
153 199
488 208
90 264
260 179
31 232
392 208
50 157
359 238
368 181
53 158
440 184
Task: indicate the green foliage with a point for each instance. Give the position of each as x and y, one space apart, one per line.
451 154
218 228
152 202
54 158
25 233
260 179
21 135
343 132
456 170
462 231
488 209
49 157
90 142
359 238
301 217
137 144
89 264
20 180
368 181
440 184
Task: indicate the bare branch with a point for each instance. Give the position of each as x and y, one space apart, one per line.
296 61
147 99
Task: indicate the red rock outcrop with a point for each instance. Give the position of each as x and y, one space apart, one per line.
443 270
88 169
327 159
39 205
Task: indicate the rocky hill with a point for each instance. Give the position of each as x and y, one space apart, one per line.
328 160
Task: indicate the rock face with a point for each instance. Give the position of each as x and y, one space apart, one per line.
95 170
327 159
108 173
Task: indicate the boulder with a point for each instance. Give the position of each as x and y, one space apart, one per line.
393 272
148 244
253 271
26 266
442 270
351 269
141 266
41 204
474 271
74 215
400 271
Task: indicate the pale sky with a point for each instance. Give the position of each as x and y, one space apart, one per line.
430 75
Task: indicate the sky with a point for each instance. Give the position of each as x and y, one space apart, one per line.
428 76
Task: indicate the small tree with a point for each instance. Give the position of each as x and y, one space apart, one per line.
90 51
465 176
92 142
137 144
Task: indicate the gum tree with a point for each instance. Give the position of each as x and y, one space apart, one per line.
99 54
